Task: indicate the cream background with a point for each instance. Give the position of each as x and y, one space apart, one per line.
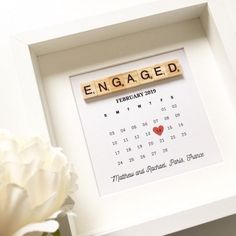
19 16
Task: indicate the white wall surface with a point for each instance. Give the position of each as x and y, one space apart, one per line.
19 16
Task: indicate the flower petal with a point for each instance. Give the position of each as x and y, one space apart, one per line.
49 226
42 185
33 151
46 209
16 172
14 208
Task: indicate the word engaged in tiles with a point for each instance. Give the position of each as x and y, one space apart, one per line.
131 79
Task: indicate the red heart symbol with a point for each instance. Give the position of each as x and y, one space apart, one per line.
158 130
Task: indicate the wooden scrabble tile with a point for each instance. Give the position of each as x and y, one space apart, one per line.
159 72
116 83
131 79
103 86
88 90
145 75
173 68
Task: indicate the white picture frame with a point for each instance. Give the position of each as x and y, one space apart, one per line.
33 51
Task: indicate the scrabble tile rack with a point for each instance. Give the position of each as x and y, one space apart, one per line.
45 60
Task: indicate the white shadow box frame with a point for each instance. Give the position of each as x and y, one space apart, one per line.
46 58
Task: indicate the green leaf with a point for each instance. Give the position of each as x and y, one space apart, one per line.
57 233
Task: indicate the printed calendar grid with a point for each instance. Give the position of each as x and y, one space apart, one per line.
142 137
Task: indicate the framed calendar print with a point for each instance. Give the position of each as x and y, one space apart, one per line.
143 103
152 131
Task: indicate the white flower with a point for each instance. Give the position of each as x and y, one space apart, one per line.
35 181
